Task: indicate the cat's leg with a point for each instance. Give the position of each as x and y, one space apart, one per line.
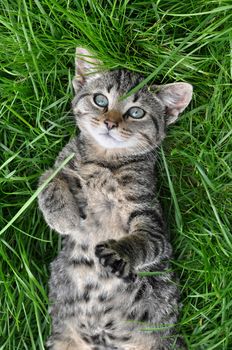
61 345
136 347
177 344
58 205
72 343
145 343
156 344
145 246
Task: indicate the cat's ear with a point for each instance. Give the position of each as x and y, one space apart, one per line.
175 97
86 66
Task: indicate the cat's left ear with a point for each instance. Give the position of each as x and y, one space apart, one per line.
175 97
86 66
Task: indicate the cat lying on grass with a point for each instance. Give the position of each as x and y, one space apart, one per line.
104 204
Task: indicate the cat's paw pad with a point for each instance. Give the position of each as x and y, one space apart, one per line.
112 261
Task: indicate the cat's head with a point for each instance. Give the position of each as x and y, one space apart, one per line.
136 123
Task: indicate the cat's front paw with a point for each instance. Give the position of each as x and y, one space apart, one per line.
109 256
58 205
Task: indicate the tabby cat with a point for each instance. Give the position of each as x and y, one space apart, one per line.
103 203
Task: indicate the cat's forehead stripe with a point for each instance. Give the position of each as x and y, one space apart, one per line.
136 97
118 79
109 88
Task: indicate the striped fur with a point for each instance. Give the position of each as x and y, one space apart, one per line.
104 204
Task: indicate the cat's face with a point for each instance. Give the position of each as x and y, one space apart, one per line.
103 113
135 122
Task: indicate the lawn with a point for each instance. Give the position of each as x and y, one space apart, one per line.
166 40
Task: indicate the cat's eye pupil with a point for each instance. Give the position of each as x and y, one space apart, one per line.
101 100
136 112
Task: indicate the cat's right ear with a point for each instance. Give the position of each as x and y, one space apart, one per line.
85 67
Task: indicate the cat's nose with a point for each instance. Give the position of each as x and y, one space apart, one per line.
110 125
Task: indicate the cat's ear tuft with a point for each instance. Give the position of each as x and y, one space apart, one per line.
175 97
85 66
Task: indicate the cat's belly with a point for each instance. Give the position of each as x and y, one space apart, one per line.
101 312
101 297
98 307
107 322
101 224
100 302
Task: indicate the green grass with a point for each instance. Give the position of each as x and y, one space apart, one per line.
166 40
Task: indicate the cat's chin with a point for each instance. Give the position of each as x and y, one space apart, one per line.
108 141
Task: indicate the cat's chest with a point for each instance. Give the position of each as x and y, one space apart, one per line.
100 186
106 208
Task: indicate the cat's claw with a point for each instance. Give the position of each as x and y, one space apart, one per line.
111 259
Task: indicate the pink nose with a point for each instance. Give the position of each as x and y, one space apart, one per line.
110 125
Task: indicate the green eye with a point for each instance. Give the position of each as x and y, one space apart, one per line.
101 100
136 112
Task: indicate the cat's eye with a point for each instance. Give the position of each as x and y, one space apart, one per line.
136 112
101 100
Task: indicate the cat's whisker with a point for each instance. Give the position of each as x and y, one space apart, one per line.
94 122
125 133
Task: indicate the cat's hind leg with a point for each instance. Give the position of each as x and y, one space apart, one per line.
68 344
